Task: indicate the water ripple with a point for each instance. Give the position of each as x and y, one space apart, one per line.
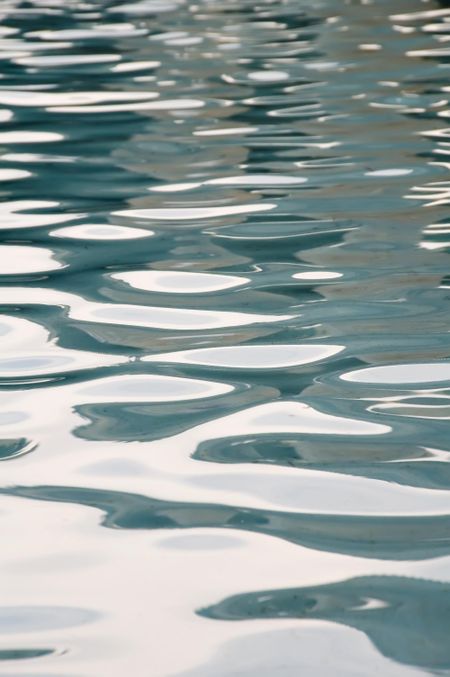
224 285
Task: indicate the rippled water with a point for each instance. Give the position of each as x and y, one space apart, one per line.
224 374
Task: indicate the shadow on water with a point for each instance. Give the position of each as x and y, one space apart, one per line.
405 464
407 619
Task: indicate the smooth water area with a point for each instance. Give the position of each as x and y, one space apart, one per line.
224 365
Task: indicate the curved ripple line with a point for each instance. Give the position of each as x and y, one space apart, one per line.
393 538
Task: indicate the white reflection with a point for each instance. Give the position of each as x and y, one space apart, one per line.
202 542
317 275
225 131
131 66
30 137
167 104
178 282
251 357
12 216
268 76
399 374
389 172
13 174
257 180
12 97
192 213
146 7
251 180
27 350
101 232
55 60
143 388
156 317
420 16
369 47
175 187
170 35
21 260
6 115
286 417
168 318
107 31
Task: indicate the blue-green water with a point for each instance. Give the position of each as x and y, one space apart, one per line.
224 368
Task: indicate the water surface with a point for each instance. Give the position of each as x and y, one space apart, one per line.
224 330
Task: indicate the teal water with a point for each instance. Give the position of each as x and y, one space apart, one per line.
225 338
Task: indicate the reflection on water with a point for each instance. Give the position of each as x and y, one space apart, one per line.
391 537
224 337
407 619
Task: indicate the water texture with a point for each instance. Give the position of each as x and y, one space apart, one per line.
224 331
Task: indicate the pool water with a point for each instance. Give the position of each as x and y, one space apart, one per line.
225 338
